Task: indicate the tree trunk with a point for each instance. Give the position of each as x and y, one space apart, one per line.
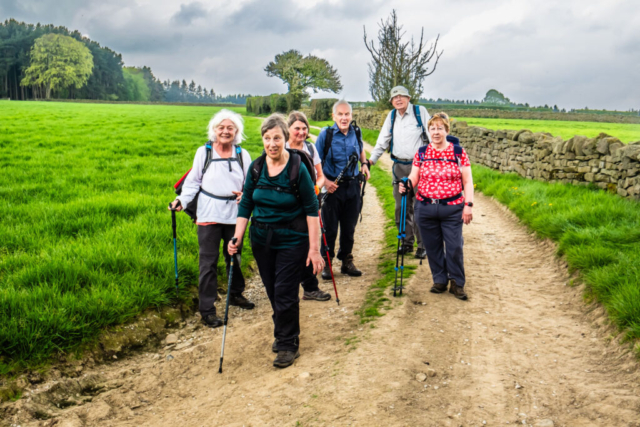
48 90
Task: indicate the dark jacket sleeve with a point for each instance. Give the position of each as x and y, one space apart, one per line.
246 204
307 193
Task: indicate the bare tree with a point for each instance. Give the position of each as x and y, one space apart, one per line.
395 62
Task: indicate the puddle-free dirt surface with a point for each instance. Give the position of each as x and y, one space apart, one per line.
525 349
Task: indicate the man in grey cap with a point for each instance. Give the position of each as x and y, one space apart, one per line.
403 132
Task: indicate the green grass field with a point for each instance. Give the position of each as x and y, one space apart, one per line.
625 132
86 237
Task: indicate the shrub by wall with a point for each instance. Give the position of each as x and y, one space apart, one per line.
603 161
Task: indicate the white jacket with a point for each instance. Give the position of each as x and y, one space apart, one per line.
217 180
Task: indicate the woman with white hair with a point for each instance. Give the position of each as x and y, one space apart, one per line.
216 179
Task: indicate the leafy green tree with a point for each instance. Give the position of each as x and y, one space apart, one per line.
495 97
58 62
304 72
135 84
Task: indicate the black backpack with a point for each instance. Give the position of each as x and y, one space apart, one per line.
192 208
329 138
298 158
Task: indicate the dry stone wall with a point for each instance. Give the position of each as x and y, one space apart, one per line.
604 160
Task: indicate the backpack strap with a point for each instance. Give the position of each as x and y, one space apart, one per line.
423 135
294 173
207 157
457 151
328 138
310 147
358 132
393 122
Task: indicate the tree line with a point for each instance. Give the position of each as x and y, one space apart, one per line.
27 52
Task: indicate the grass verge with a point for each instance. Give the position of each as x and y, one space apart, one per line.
378 297
596 232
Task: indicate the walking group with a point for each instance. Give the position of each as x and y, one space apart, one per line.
296 189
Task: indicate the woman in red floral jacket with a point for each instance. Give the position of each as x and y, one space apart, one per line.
441 177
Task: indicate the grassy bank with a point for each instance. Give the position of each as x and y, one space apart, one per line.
596 232
380 292
86 237
625 132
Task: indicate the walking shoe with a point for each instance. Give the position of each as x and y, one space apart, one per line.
326 271
452 285
212 321
285 358
240 301
438 288
316 295
274 346
458 292
421 253
348 267
406 249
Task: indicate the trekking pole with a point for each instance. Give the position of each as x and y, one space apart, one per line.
226 309
352 159
175 246
324 239
401 236
364 185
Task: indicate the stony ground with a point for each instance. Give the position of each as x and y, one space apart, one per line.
525 349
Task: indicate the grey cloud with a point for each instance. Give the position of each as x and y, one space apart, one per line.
189 12
571 53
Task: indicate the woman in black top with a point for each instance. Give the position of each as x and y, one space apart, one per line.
284 232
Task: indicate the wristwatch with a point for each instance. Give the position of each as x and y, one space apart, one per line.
470 204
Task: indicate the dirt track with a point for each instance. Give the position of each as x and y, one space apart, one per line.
525 349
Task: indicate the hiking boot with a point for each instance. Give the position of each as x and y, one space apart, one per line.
274 346
316 295
458 292
326 271
406 249
348 267
421 253
240 301
212 321
452 285
438 288
285 358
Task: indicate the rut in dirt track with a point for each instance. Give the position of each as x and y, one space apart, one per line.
524 349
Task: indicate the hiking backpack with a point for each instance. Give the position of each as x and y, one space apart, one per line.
298 157
457 151
423 135
329 138
192 208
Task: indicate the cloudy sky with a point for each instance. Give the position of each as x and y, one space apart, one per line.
573 53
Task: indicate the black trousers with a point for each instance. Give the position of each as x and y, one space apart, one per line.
441 231
281 270
209 237
341 209
309 280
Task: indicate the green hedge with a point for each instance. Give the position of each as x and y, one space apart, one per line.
321 109
274 103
